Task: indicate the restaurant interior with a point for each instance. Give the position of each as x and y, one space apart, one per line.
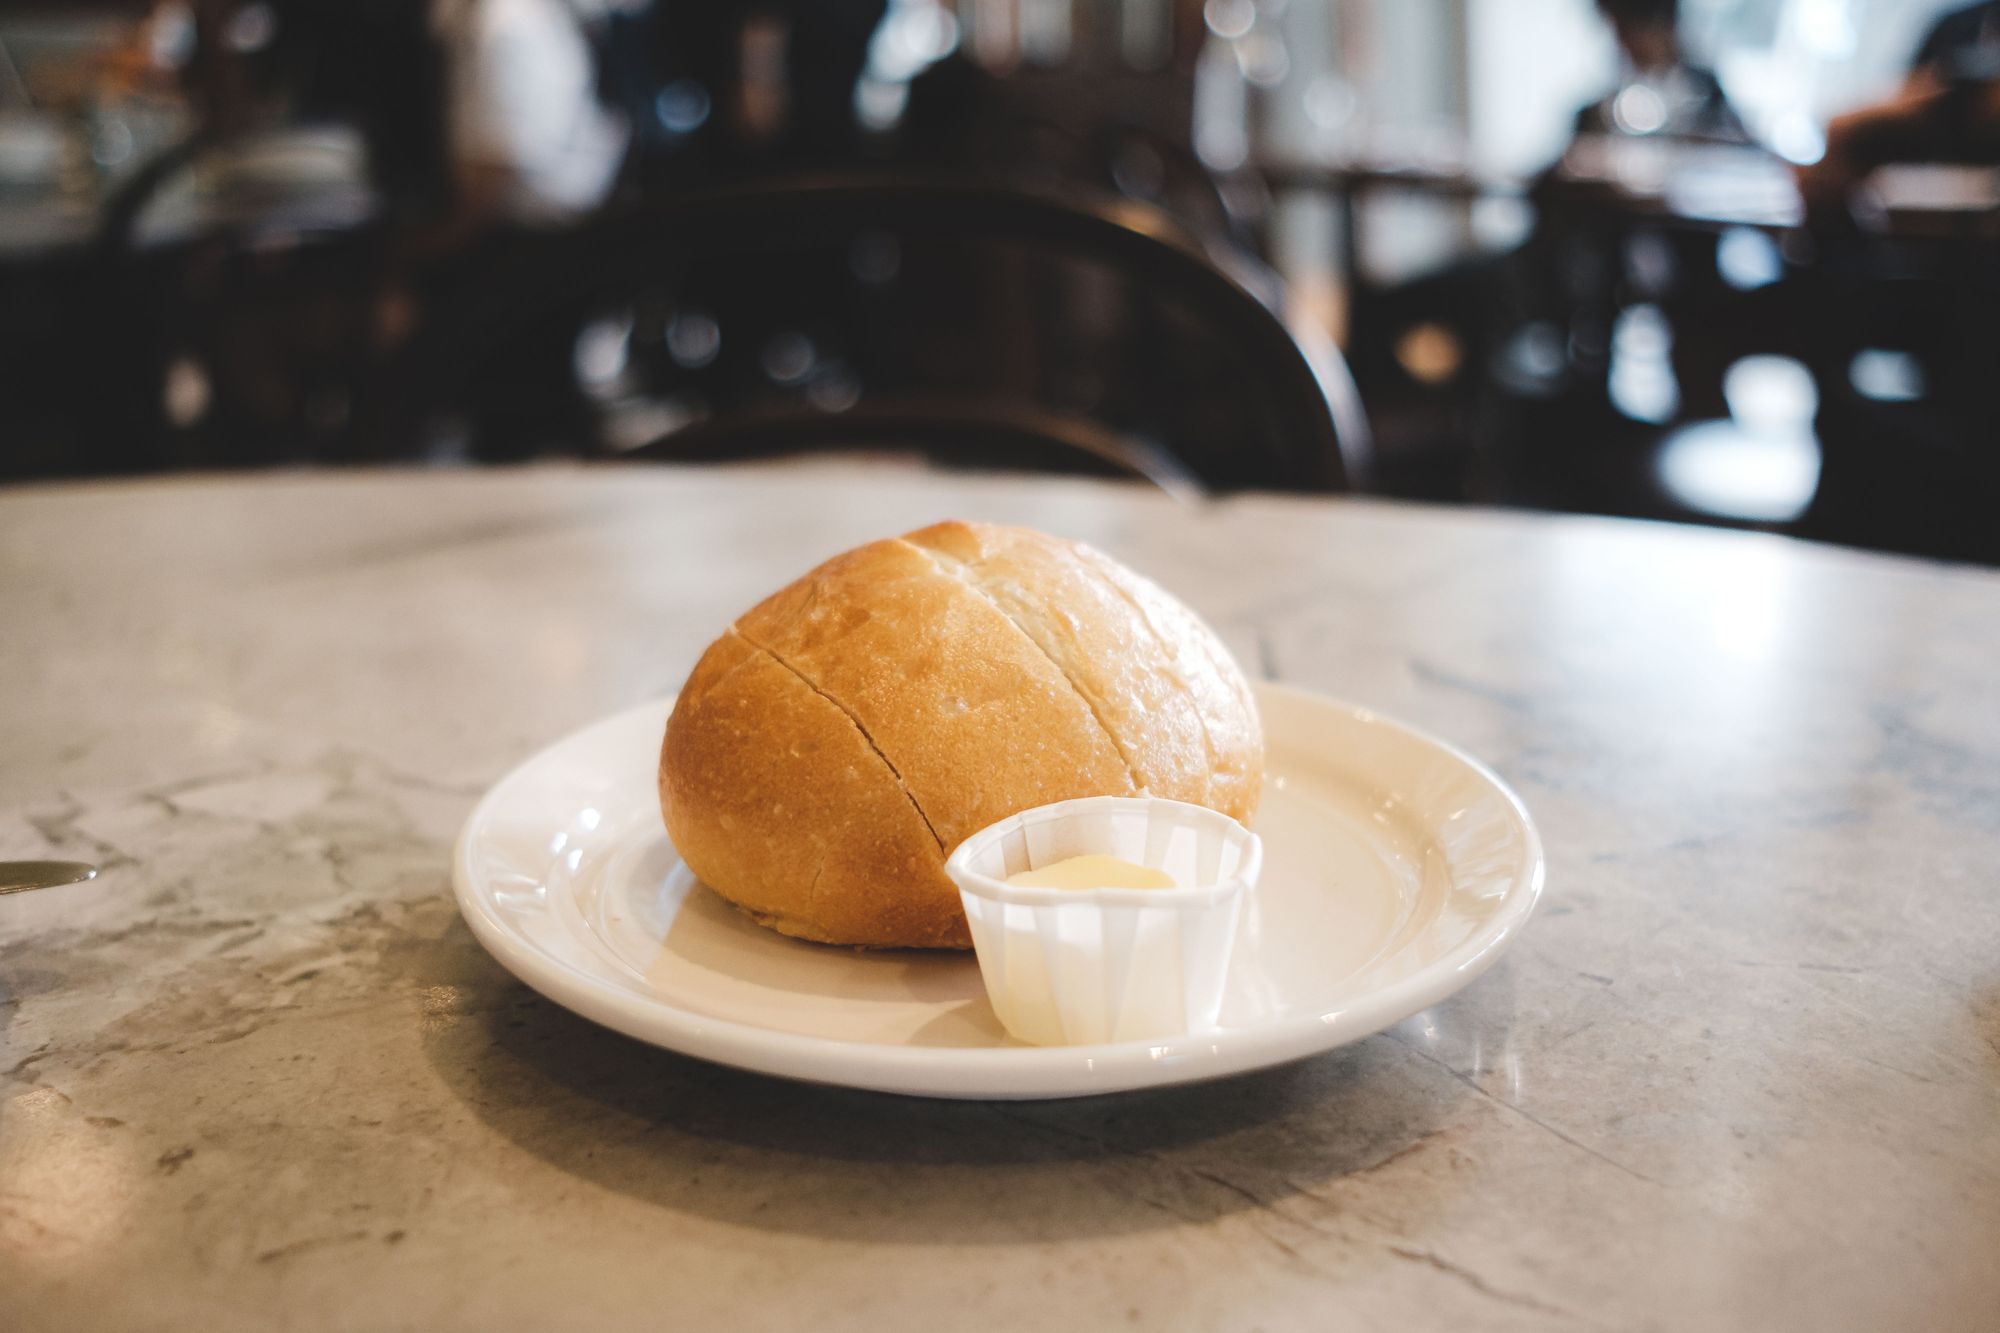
1309 666
1728 262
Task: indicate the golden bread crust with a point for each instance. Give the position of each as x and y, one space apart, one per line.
777 801
850 730
973 718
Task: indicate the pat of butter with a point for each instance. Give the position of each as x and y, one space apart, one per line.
1092 872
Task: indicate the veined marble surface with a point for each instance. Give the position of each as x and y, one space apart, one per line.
1742 1071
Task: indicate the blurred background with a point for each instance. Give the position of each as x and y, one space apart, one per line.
1721 261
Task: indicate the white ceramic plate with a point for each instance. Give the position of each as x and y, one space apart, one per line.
1396 870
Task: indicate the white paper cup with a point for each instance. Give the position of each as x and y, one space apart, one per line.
1067 967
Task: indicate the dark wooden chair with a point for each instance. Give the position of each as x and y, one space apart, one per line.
993 326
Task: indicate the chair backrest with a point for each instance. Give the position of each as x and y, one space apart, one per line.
817 308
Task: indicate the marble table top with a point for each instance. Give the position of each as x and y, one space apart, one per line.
1741 1072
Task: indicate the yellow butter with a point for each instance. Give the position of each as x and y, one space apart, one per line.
1092 872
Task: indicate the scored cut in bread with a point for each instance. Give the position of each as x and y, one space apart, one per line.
844 735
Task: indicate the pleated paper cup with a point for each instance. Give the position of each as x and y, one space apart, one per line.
1068 967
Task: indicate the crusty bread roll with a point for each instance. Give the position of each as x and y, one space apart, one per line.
846 734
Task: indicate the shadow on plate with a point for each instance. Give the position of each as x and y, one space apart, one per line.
1297 1141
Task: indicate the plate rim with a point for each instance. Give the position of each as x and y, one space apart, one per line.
1004 1073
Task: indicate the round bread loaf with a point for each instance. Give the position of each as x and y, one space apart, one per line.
846 734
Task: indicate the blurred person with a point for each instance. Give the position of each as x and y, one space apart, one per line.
1562 284
1661 91
528 139
531 152
1514 372
1948 110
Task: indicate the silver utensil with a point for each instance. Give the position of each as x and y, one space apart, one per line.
20 876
